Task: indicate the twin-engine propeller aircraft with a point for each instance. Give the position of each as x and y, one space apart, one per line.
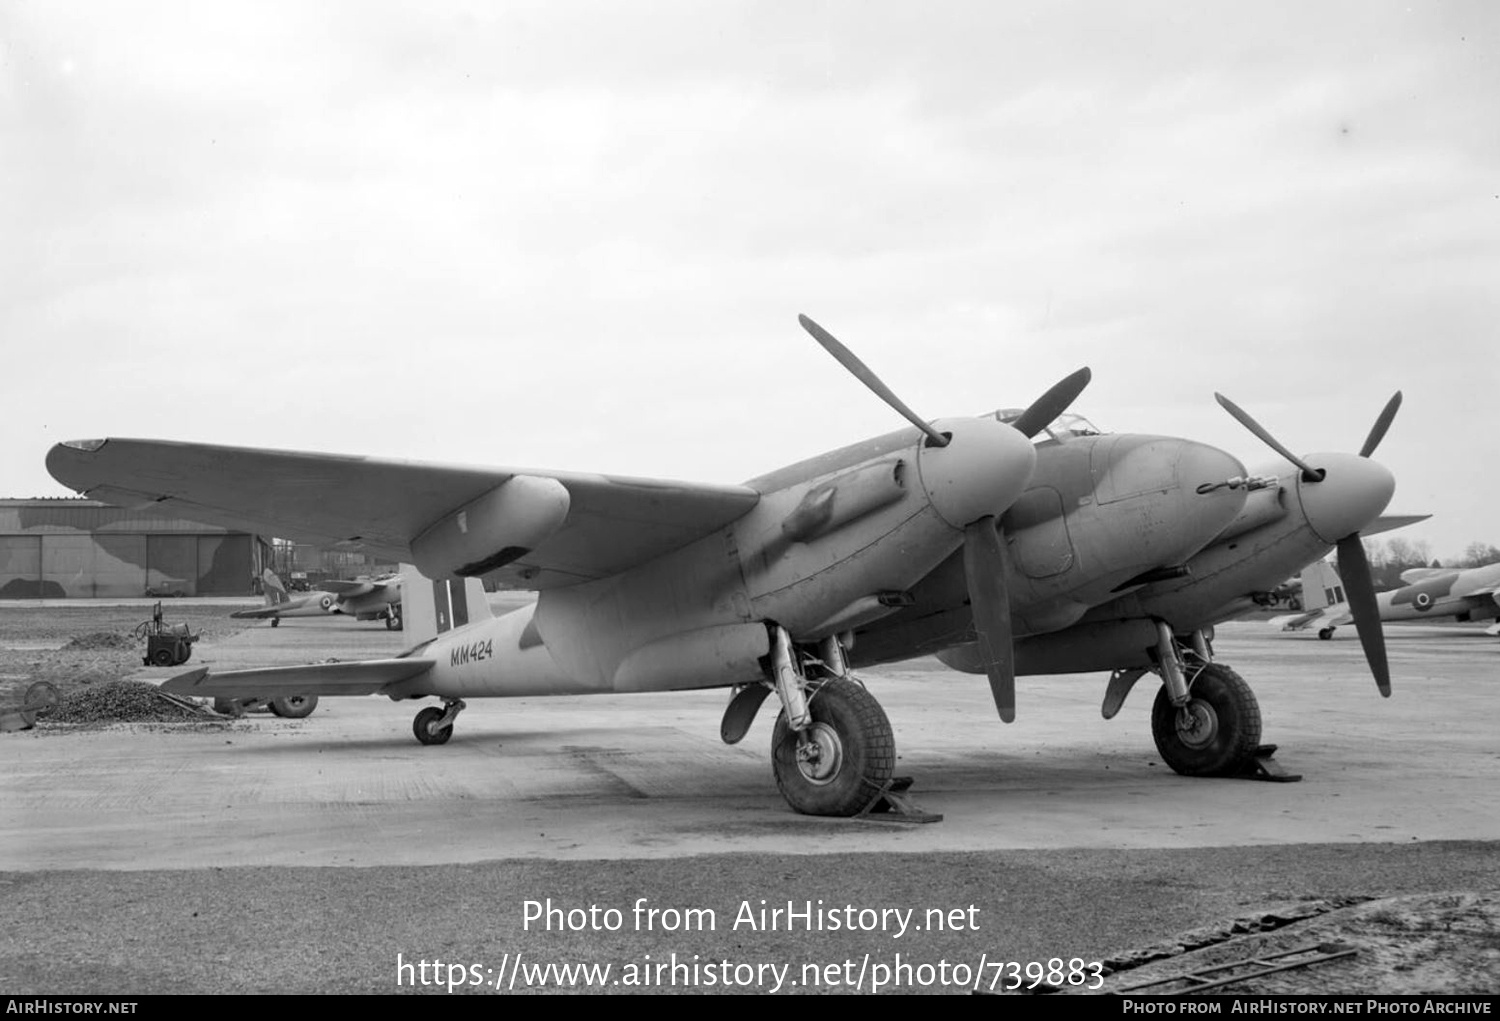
1206 721
362 599
766 587
1426 593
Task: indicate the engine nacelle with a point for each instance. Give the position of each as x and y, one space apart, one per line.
493 530
842 499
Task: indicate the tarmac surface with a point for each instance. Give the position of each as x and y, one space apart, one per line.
340 837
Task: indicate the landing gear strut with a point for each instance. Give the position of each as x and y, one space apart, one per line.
832 749
1205 719
434 725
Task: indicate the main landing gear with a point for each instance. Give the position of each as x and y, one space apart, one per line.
832 750
1205 719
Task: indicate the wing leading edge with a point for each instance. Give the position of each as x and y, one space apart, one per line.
612 524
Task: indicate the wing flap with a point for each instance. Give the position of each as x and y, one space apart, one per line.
368 677
613 523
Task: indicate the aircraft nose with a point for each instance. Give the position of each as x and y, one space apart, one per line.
1353 492
985 468
1170 496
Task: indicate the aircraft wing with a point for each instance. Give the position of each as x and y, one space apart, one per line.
613 523
347 589
368 677
262 613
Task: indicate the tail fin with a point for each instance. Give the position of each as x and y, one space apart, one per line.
1321 586
275 590
428 608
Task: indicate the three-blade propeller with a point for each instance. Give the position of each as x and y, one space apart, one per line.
986 564
1354 566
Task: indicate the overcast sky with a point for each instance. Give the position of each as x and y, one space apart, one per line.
577 235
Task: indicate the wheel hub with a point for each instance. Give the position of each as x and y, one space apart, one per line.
1197 723
820 754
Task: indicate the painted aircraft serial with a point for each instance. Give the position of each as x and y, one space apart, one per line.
1011 543
360 598
1427 593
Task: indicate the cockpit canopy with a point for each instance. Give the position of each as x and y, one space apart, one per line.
1062 428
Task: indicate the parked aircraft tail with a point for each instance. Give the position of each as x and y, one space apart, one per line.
1321 586
428 608
275 590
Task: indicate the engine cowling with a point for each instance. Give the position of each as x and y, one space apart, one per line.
493 530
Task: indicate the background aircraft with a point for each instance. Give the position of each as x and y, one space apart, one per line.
1429 592
766 587
363 599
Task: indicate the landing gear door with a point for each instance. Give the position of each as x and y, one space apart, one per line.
1038 530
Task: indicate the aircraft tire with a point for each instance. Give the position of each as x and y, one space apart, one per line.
857 752
294 707
1325 633
1225 729
276 622
228 707
421 726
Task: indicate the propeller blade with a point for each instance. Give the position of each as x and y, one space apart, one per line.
1052 403
1377 431
989 599
1309 473
1359 588
849 360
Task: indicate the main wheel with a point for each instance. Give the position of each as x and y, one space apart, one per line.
846 754
422 726
294 707
1325 633
393 620
1216 733
276 622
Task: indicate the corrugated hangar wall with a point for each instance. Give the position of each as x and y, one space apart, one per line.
72 548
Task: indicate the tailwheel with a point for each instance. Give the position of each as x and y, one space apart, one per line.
294 707
1216 733
426 726
843 758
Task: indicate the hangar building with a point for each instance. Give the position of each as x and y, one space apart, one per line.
78 549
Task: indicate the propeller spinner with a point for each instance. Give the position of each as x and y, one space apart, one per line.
1337 497
973 470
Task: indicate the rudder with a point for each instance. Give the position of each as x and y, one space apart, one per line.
429 608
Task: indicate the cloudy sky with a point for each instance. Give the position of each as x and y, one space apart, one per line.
577 235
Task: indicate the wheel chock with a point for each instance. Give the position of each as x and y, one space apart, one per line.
1261 766
891 804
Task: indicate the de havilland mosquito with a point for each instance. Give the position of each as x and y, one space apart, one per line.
1074 553
360 598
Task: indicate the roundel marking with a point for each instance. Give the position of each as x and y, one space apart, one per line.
1422 600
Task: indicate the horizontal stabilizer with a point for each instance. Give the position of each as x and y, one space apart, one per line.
369 677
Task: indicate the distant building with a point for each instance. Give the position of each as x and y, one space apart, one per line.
75 548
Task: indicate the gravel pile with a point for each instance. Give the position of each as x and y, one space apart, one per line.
103 640
125 702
